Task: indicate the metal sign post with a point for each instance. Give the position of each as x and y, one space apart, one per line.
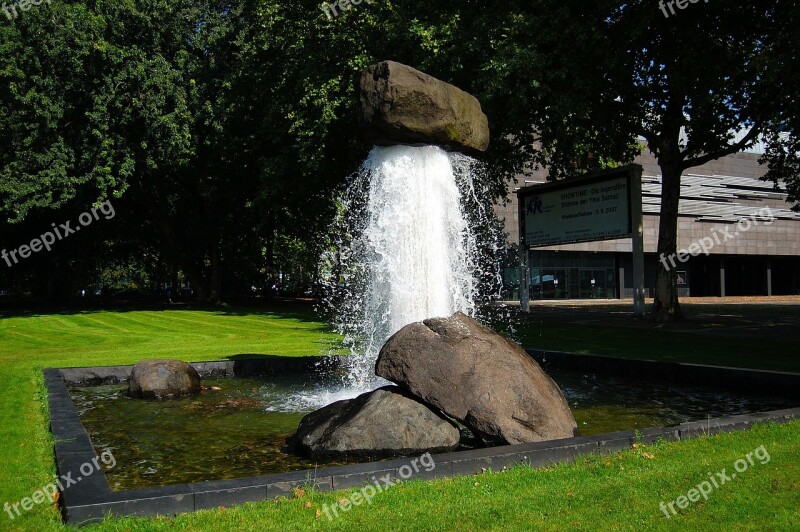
638 240
524 269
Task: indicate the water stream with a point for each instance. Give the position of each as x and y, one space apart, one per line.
407 249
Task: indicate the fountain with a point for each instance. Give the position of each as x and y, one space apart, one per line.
409 255
409 250
405 285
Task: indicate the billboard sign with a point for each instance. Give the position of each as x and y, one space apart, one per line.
577 211
604 206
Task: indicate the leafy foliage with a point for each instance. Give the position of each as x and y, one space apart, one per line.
224 127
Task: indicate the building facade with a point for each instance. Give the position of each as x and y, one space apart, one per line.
740 234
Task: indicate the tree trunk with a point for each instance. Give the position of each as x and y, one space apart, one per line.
666 306
272 274
204 280
215 275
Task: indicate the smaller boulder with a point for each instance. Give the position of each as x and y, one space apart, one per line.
163 379
385 422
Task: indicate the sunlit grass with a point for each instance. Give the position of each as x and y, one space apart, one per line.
622 491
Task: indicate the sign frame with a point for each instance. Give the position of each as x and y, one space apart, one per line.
633 176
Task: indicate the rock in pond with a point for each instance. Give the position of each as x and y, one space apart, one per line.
479 378
385 422
163 379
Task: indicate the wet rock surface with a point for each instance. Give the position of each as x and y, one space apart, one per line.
385 422
163 379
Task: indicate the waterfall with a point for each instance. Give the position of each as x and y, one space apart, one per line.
406 249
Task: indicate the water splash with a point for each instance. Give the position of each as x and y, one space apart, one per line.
408 247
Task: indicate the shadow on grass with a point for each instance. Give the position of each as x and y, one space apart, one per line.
255 357
300 310
250 365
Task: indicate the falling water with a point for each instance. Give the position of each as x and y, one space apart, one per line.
417 264
407 249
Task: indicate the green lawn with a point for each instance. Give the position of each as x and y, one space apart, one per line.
622 491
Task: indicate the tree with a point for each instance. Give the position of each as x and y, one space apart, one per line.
783 136
687 82
111 99
227 126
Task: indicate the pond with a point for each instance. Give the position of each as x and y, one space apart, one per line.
242 427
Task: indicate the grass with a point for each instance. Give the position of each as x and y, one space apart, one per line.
621 491
119 337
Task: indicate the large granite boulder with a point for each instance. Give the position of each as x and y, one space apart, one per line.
385 422
478 377
163 379
401 105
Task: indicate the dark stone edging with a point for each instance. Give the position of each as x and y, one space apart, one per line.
261 365
91 499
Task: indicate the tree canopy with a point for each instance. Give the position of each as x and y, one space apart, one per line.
703 82
221 130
